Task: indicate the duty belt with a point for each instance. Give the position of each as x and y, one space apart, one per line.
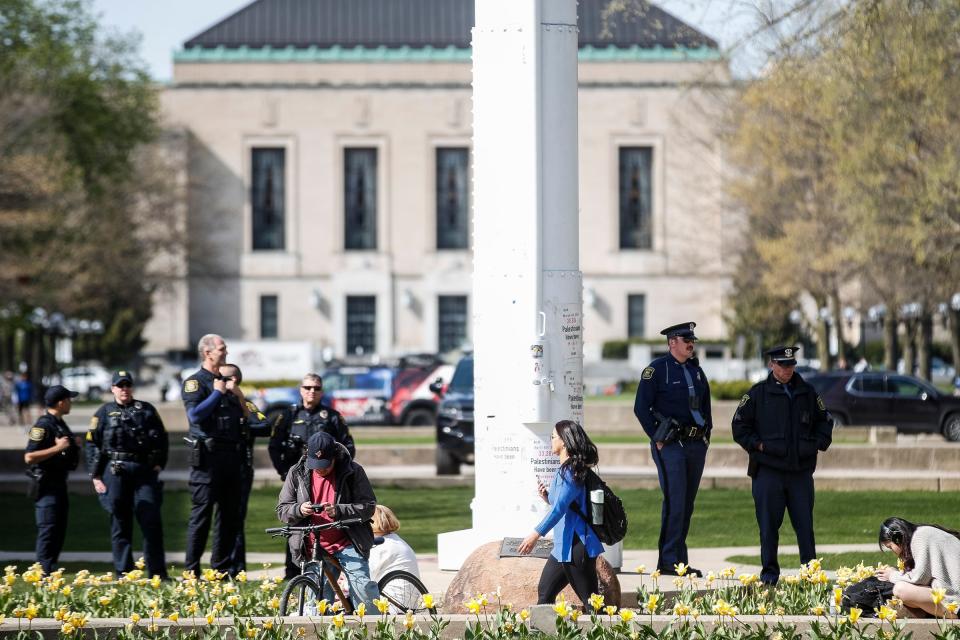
692 432
123 456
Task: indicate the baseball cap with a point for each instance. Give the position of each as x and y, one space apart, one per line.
321 450
56 393
121 376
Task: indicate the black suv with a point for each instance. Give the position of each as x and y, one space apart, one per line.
455 419
885 397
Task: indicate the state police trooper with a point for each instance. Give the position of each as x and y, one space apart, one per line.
673 406
782 423
255 425
292 430
216 411
126 448
52 452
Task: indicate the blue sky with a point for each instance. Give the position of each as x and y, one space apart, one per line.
165 25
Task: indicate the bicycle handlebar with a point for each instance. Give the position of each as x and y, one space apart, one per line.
288 530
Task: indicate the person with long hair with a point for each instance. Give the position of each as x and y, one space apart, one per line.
573 560
931 560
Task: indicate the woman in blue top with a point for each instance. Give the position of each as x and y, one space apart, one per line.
576 546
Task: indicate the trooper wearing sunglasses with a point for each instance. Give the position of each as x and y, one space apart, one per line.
126 448
293 427
673 407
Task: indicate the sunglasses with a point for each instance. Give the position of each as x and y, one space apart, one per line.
123 385
306 387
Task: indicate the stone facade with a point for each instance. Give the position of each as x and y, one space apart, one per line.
314 110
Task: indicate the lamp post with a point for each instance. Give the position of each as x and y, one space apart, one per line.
909 312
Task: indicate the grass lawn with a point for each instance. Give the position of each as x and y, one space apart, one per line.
722 517
831 561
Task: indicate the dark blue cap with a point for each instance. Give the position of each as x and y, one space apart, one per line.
56 393
682 330
121 376
321 450
784 355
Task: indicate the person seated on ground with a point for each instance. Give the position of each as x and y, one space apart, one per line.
931 560
326 476
394 554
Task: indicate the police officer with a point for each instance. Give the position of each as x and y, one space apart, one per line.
52 453
673 406
253 426
216 411
126 448
292 430
782 423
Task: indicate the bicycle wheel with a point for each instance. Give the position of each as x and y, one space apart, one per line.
300 597
403 591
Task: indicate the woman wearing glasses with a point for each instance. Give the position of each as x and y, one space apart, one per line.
931 561
573 560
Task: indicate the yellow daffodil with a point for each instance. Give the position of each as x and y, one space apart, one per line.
233 600
482 599
901 565
837 596
746 579
322 606
681 609
104 600
192 608
135 618
174 617
729 572
361 610
655 574
473 606
409 620
561 609
67 629
887 614
610 609
268 624
937 595
680 568
818 610
274 603
596 601
251 632
382 605
627 614
508 626
229 588
524 614
574 614
301 632
60 614
762 609
66 591
211 617
140 563
428 601
952 606
652 601
854 615
338 620
724 609
642 569
241 577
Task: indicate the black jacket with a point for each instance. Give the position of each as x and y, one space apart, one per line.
792 430
354 499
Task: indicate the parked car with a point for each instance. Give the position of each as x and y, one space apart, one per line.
889 398
378 394
90 381
455 444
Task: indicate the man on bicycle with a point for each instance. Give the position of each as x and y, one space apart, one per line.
338 486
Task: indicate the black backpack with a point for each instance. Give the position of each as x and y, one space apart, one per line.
614 525
868 595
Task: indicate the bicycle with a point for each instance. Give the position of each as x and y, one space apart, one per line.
401 589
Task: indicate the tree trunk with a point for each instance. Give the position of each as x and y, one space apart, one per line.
909 345
924 341
953 322
823 344
890 343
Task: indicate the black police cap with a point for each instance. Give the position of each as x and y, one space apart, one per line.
784 355
682 330
56 393
121 376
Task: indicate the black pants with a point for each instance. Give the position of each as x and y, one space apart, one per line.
580 572
222 490
238 560
51 510
775 491
133 490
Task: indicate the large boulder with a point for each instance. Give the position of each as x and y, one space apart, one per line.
517 578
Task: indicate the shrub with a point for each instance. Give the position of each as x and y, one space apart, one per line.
729 389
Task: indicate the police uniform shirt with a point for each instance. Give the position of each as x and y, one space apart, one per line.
135 429
43 435
305 423
223 421
663 388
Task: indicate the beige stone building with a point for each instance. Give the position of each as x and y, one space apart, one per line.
328 177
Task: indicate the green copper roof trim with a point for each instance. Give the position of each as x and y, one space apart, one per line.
337 53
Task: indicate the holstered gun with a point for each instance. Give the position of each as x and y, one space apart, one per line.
668 429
